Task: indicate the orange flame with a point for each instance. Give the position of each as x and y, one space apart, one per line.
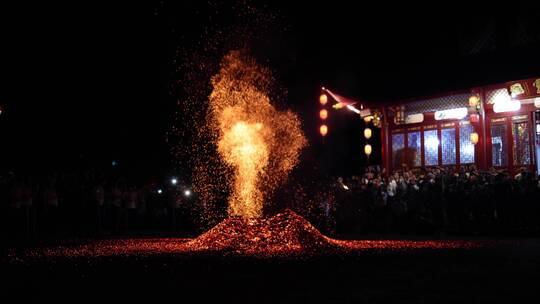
260 143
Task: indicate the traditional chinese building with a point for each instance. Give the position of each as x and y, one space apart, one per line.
491 126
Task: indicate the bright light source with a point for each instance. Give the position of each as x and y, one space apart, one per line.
345 187
457 113
474 100
432 143
367 149
537 102
114 163
187 192
468 150
159 191
474 138
367 133
323 130
502 98
323 99
323 114
504 103
355 110
174 181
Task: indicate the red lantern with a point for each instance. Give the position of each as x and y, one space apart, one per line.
323 99
367 133
323 114
367 149
323 130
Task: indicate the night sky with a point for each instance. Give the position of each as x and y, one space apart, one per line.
88 82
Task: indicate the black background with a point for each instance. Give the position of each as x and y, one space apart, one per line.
88 82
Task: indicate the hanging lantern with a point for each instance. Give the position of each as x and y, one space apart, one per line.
367 133
323 114
323 130
367 149
323 99
474 138
474 101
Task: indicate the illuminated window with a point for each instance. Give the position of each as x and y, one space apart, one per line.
398 145
431 148
520 132
448 145
466 147
414 149
499 145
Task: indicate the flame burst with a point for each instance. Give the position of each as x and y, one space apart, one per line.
260 143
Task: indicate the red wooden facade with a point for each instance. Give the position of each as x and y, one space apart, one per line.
509 139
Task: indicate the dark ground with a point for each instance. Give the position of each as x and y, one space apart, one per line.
506 271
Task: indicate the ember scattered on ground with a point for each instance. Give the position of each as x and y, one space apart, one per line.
285 235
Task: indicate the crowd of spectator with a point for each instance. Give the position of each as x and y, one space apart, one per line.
412 201
437 200
63 205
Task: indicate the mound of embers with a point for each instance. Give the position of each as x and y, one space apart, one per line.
283 234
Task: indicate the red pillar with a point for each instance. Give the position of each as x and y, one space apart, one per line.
385 151
481 153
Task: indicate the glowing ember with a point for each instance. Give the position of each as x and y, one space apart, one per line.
260 143
243 146
284 235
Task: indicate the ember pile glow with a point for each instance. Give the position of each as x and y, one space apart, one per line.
283 234
288 234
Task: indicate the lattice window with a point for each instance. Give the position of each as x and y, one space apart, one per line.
466 147
414 149
499 145
398 146
431 147
448 145
520 132
492 95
